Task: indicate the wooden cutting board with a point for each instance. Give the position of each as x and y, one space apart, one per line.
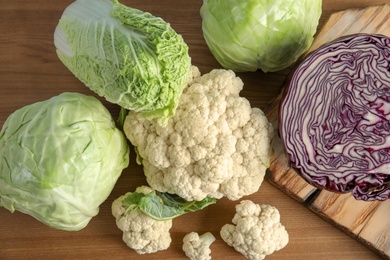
369 222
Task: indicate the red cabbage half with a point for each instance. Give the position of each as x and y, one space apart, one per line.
335 117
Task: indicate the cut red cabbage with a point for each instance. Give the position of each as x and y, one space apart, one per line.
335 117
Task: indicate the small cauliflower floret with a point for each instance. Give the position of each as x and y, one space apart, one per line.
140 232
257 231
216 145
198 247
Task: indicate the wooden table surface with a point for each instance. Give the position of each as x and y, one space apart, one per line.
30 71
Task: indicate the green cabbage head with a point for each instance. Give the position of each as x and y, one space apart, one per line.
128 56
259 34
60 159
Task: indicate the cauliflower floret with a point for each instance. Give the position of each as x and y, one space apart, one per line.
257 231
140 232
216 145
198 247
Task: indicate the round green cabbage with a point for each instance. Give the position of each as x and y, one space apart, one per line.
128 56
259 34
60 159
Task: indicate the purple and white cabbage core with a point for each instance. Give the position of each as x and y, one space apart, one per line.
335 117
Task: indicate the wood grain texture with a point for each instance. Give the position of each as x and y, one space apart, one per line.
30 71
366 221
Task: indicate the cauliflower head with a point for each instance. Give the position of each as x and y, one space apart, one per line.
198 247
216 145
140 232
256 231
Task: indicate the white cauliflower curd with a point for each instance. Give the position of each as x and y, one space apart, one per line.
140 232
216 145
256 230
197 247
